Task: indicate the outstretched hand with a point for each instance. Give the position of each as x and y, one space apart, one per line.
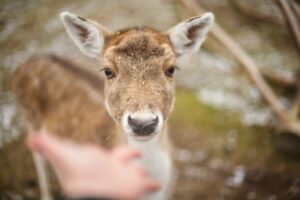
91 171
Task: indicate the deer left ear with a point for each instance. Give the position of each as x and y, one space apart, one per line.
189 35
86 34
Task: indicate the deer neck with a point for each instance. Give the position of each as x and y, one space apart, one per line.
156 159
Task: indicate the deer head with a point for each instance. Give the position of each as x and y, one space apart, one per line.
139 64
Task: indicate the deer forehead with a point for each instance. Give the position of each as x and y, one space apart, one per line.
141 49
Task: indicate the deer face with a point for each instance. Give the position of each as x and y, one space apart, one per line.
139 64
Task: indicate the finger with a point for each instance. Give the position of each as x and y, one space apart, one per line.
125 153
152 185
49 146
35 142
140 170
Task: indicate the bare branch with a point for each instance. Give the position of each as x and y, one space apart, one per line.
296 107
291 20
254 13
279 78
294 127
295 111
246 61
296 8
295 30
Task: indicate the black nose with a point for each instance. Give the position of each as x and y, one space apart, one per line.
143 127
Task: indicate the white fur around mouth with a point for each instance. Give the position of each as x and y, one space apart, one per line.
143 138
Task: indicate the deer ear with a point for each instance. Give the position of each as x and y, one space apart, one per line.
189 35
86 34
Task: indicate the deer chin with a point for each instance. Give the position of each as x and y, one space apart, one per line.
140 135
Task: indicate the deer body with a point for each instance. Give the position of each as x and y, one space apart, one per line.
133 104
62 98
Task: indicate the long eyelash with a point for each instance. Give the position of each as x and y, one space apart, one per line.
101 69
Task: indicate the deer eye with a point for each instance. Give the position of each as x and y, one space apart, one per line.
108 73
170 71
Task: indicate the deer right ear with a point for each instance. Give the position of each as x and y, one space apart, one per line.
189 35
86 34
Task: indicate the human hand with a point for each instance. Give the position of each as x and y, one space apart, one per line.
91 171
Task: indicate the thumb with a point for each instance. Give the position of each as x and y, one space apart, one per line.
49 146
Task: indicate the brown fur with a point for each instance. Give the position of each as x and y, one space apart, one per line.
64 99
193 32
83 32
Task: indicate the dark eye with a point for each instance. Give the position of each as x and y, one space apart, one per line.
108 72
170 71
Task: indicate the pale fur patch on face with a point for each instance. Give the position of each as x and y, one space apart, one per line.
189 35
106 104
84 33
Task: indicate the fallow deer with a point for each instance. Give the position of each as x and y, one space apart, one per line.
138 94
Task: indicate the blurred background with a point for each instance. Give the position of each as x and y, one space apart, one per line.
229 142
